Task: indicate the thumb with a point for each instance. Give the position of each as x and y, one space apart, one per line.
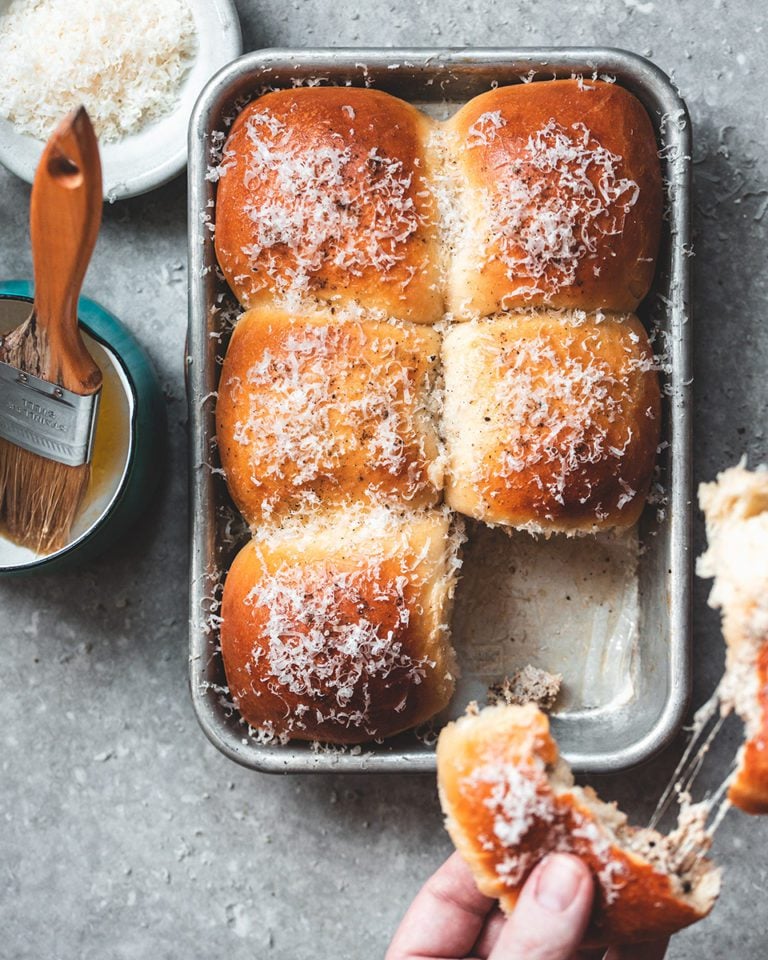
551 914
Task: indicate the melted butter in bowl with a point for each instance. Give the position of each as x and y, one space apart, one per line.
112 447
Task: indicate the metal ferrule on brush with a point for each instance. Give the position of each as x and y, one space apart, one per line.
46 419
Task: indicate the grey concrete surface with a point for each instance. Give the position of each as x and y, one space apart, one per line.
123 833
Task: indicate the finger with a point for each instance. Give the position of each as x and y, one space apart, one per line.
639 951
551 914
492 929
489 934
446 917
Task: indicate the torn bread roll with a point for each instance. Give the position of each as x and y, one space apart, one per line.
509 800
736 511
314 412
337 628
559 191
551 420
323 197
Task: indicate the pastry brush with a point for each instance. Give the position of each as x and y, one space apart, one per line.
49 383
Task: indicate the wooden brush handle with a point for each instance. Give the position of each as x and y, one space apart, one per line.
64 222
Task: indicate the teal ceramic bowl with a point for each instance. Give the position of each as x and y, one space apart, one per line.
129 445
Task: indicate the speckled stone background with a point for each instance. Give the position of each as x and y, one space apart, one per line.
123 833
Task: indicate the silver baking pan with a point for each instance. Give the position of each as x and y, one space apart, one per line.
611 615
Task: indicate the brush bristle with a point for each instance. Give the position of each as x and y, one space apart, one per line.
39 498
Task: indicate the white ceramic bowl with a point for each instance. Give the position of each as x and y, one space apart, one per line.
158 153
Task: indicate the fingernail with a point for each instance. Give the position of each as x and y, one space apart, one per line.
557 883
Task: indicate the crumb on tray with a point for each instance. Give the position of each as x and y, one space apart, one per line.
528 685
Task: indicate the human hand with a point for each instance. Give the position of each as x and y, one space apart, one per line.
451 920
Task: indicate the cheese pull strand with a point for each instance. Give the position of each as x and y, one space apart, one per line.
708 722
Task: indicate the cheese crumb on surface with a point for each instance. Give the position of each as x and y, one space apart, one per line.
528 685
124 61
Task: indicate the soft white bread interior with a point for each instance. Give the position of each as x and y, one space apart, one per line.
736 511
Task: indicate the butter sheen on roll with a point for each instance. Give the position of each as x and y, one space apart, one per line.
559 191
348 224
323 198
551 420
336 629
314 412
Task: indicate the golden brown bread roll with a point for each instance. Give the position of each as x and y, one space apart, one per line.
736 510
559 191
336 629
341 216
316 411
324 198
551 420
508 801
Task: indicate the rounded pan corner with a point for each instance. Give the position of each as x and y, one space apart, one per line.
224 82
221 736
294 757
641 751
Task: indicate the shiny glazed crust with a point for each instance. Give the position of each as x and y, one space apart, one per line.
339 632
560 184
506 808
324 198
551 420
313 411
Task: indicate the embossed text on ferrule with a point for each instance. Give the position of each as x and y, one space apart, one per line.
45 418
37 413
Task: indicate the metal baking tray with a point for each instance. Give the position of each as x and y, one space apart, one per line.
613 618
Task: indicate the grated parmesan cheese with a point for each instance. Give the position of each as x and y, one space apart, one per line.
563 405
553 203
124 61
517 799
312 205
483 130
537 811
328 632
323 396
454 228
530 820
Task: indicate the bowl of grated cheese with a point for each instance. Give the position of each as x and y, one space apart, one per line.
136 65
